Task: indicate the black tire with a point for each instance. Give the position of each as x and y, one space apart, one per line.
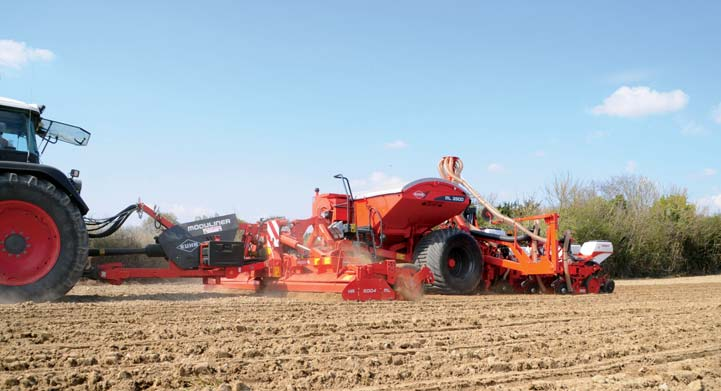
609 286
434 251
561 289
530 286
73 236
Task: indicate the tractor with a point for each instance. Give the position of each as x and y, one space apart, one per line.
43 236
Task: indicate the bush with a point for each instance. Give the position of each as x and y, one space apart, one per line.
653 234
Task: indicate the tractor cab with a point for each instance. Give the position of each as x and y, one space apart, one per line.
20 123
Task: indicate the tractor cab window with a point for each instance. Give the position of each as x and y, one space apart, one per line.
17 132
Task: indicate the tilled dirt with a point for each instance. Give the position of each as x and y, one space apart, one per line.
659 335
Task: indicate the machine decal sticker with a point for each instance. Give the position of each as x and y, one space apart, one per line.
188 245
203 226
274 233
211 230
450 198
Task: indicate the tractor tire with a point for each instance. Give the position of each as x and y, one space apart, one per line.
454 258
43 240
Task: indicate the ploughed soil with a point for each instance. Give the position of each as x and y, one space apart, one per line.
649 334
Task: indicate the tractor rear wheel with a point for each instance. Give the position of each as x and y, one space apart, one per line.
43 240
454 258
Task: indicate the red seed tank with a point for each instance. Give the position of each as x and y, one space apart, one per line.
406 212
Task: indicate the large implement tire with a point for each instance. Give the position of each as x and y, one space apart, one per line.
454 258
43 240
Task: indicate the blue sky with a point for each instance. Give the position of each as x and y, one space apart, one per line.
204 107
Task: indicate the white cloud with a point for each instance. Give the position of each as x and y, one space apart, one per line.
398 144
540 153
641 101
691 128
711 203
716 114
631 166
15 54
708 172
377 181
495 167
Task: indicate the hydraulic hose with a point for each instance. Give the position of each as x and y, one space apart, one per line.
100 228
450 167
371 212
566 260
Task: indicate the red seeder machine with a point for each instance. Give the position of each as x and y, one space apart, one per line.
381 246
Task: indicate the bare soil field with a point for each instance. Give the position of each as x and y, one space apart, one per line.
649 334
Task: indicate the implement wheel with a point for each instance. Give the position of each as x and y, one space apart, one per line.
609 286
43 240
454 258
